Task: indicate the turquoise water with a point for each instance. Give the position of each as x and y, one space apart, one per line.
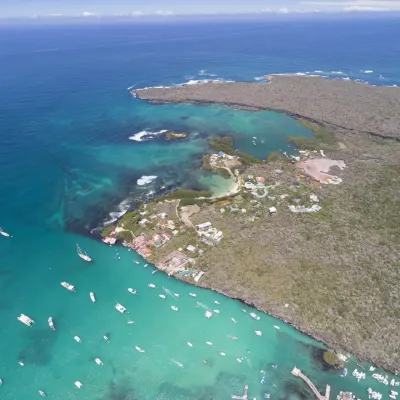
67 163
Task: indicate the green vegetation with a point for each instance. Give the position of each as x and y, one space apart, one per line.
190 202
331 358
125 235
206 163
275 156
170 135
226 145
107 230
188 194
323 138
224 173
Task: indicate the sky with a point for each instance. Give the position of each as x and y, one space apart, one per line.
168 8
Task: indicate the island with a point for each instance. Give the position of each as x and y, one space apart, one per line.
310 237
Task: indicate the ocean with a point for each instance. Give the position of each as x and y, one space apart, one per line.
73 145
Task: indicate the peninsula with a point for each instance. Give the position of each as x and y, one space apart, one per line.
312 238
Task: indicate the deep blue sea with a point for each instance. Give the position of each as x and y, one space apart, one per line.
70 160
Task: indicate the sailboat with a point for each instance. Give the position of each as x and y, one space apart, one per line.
82 254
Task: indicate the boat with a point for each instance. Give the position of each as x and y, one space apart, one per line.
68 286
51 323
130 290
343 373
162 296
106 338
216 311
145 265
26 320
136 262
209 343
21 363
176 294
216 302
239 360
258 333
255 316
1 381
92 297
276 327
234 320
98 361
243 310
130 322
175 308
140 350
78 384
77 339
4 233
192 294
82 254
221 353
43 394
208 314
120 308
151 285
155 271
189 344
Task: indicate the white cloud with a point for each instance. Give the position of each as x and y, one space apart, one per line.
283 10
164 13
359 5
364 8
136 14
89 14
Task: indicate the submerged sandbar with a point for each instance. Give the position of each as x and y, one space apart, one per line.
342 104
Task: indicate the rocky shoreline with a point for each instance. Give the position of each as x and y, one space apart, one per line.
347 105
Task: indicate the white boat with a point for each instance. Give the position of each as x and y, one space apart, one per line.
145 265
140 350
155 271
217 302
4 233
192 294
1 381
208 314
120 308
21 363
239 360
106 338
130 290
175 308
162 296
221 353
82 254
92 297
209 343
98 361
189 344
26 320
136 262
78 384
276 327
243 310
176 294
255 316
151 285
68 286
216 311
234 320
130 322
77 339
51 323
258 333
43 394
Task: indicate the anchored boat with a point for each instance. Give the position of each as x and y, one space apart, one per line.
175 308
139 349
82 254
92 297
120 308
98 361
255 316
78 384
26 320
68 286
4 233
132 291
43 394
77 339
51 323
208 314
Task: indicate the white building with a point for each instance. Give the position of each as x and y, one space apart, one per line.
203 227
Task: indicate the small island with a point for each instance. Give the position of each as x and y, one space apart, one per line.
310 237
171 135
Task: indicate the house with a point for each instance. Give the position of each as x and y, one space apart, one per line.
203 227
221 154
213 236
272 210
175 232
249 185
143 221
260 179
191 248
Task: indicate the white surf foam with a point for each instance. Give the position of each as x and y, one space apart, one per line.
367 71
146 179
204 72
122 208
260 78
146 135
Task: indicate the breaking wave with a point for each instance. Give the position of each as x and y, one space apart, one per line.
122 208
146 179
146 135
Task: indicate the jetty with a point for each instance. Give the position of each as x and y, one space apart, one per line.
244 397
297 372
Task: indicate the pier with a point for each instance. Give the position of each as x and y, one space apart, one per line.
297 372
244 397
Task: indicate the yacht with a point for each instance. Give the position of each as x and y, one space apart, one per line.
239 360
1 381
82 254
136 262
145 265
130 322
175 308
162 296
176 294
77 339
140 350
189 344
234 320
92 297
155 271
258 333
98 361
276 327
216 302
120 308
21 363
209 343
4 233
208 314
221 353
78 384
151 285
68 286
43 394
255 316
130 290
106 338
26 320
216 311
51 323
192 294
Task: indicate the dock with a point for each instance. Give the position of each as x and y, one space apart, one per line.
244 397
297 372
